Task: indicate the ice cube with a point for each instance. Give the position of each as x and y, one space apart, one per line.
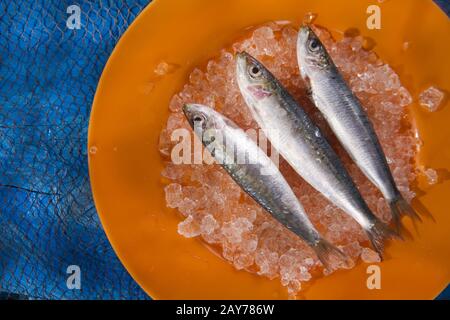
208 224
431 98
189 227
370 256
174 195
432 176
164 68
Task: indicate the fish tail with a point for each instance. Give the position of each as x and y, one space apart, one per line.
378 233
396 217
329 254
399 206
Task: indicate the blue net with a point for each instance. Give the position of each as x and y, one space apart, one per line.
48 76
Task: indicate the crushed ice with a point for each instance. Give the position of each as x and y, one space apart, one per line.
218 211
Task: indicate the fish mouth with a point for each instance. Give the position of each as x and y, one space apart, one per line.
242 59
246 57
242 55
188 110
304 34
305 28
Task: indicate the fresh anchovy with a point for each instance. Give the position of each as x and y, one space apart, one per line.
302 144
256 174
347 119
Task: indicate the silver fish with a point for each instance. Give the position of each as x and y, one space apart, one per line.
258 176
302 144
348 120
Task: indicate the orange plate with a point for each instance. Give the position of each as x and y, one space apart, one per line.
129 112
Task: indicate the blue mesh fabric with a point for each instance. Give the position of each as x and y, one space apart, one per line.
48 77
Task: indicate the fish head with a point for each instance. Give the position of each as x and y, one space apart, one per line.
311 53
205 121
198 116
254 79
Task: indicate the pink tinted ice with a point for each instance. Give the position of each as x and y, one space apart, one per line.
432 176
431 98
370 256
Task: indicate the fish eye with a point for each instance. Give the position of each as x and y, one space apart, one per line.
198 119
313 45
254 71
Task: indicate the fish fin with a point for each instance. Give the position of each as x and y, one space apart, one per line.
328 253
378 233
399 206
396 217
399 228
